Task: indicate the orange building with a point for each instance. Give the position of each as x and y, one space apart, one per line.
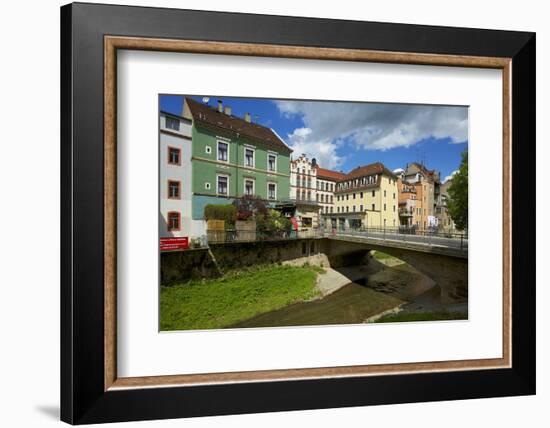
407 203
417 207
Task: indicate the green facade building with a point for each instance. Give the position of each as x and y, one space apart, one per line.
233 157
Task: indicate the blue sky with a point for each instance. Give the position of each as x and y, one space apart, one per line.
343 135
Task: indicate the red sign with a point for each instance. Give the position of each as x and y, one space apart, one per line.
294 223
169 244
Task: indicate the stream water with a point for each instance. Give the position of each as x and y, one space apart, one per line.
383 288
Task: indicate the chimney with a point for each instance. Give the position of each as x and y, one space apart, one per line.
227 110
247 117
220 106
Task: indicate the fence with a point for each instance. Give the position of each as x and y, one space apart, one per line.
228 236
419 236
423 236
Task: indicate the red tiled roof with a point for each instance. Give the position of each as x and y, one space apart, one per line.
371 169
209 117
329 174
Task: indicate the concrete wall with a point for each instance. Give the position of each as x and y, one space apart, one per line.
183 265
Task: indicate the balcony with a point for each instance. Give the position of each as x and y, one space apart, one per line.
302 201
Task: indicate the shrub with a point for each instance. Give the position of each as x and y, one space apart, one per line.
273 221
228 213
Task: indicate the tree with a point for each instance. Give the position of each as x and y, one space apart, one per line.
249 206
458 195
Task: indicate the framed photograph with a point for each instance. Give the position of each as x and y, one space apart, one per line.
267 213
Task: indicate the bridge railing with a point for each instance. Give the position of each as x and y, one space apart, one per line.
421 236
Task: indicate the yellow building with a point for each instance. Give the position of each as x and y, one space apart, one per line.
366 197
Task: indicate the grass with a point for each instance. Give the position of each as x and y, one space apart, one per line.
378 255
237 296
424 316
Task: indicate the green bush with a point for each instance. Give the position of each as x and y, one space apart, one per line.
272 221
228 213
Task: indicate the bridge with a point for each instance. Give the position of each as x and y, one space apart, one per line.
447 244
443 258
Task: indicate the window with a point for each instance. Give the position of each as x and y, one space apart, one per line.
347 197
384 207
384 193
173 189
248 187
331 209
173 221
354 208
373 207
331 199
207 186
393 195
222 184
374 193
208 150
394 208
174 156
354 196
361 195
249 157
271 191
223 149
271 162
172 123
347 209
361 208
337 209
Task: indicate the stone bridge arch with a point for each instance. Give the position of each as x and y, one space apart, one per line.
449 271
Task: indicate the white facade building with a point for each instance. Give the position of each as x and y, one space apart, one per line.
303 191
175 179
326 185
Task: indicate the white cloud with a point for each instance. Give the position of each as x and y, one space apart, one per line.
323 150
449 177
371 126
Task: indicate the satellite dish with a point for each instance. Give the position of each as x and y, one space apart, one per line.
205 100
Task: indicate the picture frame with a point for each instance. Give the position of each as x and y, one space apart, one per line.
91 391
